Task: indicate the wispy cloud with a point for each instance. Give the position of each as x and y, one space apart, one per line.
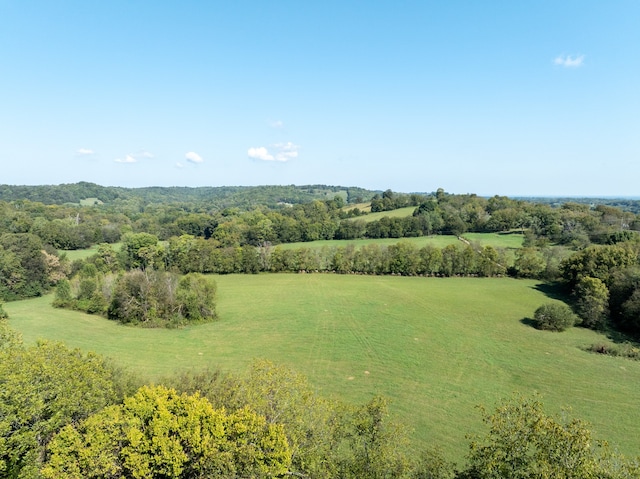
84 152
127 159
568 61
193 157
143 154
134 157
277 124
279 152
179 165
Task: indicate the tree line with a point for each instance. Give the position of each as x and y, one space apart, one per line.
69 227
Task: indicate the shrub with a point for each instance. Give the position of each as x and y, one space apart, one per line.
554 317
625 350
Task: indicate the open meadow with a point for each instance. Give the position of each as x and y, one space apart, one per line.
378 215
497 240
436 347
79 254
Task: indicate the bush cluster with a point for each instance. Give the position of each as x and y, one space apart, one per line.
150 298
554 317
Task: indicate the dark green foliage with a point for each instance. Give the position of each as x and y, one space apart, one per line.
554 317
622 236
592 303
196 297
624 300
624 350
392 201
24 271
155 298
142 297
597 262
63 298
529 263
138 250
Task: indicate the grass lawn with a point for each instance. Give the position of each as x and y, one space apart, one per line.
399 213
497 240
511 240
435 347
437 240
85 253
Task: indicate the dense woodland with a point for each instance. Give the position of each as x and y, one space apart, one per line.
67 414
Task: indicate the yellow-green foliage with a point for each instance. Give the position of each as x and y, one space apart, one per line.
160 433
524 442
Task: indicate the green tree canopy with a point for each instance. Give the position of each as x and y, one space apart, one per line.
524 442
45 387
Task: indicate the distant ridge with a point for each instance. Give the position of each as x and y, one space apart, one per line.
212 196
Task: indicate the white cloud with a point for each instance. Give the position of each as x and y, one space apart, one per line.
568 61
286 151
127 159
282 152
179 165
84 152
193 157
277 124
260 153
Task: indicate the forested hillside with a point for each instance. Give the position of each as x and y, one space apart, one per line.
210 197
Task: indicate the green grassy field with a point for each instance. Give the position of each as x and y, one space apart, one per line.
509 240
399 213
85 253
436 240
497 240
435 347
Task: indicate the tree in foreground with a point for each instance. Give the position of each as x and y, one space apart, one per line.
525 443
327 439
158 433
554 317
43 388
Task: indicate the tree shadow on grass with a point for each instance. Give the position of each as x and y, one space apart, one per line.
621 337
529 322
554 291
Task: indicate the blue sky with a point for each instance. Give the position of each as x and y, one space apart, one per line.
489 97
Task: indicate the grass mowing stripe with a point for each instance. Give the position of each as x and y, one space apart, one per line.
435 347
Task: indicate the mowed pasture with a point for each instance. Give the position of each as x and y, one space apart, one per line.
497 240
397 213
436 347
78 254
